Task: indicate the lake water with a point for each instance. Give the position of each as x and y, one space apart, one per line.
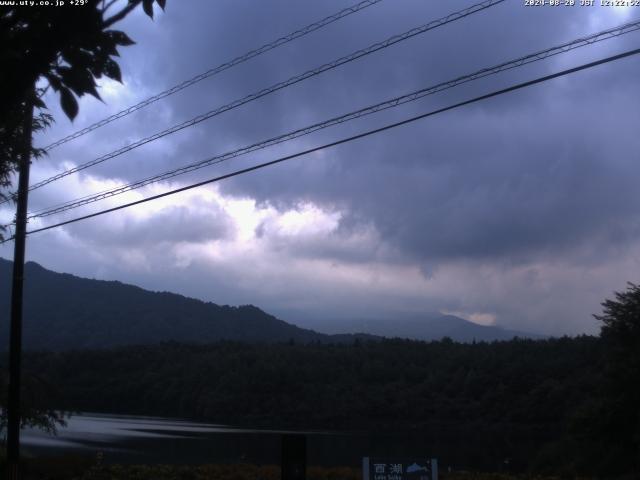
127 439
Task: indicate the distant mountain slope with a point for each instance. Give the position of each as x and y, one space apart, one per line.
426 327
63 311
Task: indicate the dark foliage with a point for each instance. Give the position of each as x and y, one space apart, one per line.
12 142
481 403
618 415
37 395
68 47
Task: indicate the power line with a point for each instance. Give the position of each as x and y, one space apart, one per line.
350 139
413 96
452 17
220 68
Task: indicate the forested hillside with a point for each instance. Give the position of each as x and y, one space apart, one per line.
63 311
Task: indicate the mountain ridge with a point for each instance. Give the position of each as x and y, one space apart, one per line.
428 326
63 311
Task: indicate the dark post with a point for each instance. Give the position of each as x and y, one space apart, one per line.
15 338
294 457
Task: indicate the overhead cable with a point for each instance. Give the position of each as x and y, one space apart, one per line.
452 17
348 139
220 68
410 97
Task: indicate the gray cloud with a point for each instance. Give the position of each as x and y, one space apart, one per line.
505 202
175 224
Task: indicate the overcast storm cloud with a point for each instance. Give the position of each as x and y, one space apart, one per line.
522 210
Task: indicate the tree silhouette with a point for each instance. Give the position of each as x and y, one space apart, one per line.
620 417
11 136
621 319
70 47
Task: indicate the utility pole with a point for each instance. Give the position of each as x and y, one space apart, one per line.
15 337
294 457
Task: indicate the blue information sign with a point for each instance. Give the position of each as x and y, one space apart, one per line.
399 469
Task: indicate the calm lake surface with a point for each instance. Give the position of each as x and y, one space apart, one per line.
127 439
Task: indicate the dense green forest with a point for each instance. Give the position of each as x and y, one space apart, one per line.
523 400
393 383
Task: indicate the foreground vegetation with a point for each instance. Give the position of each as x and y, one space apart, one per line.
82 468
476 404
252 472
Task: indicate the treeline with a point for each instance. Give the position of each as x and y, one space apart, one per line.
395 382
528 402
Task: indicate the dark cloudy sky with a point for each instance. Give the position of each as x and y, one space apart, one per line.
522 211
